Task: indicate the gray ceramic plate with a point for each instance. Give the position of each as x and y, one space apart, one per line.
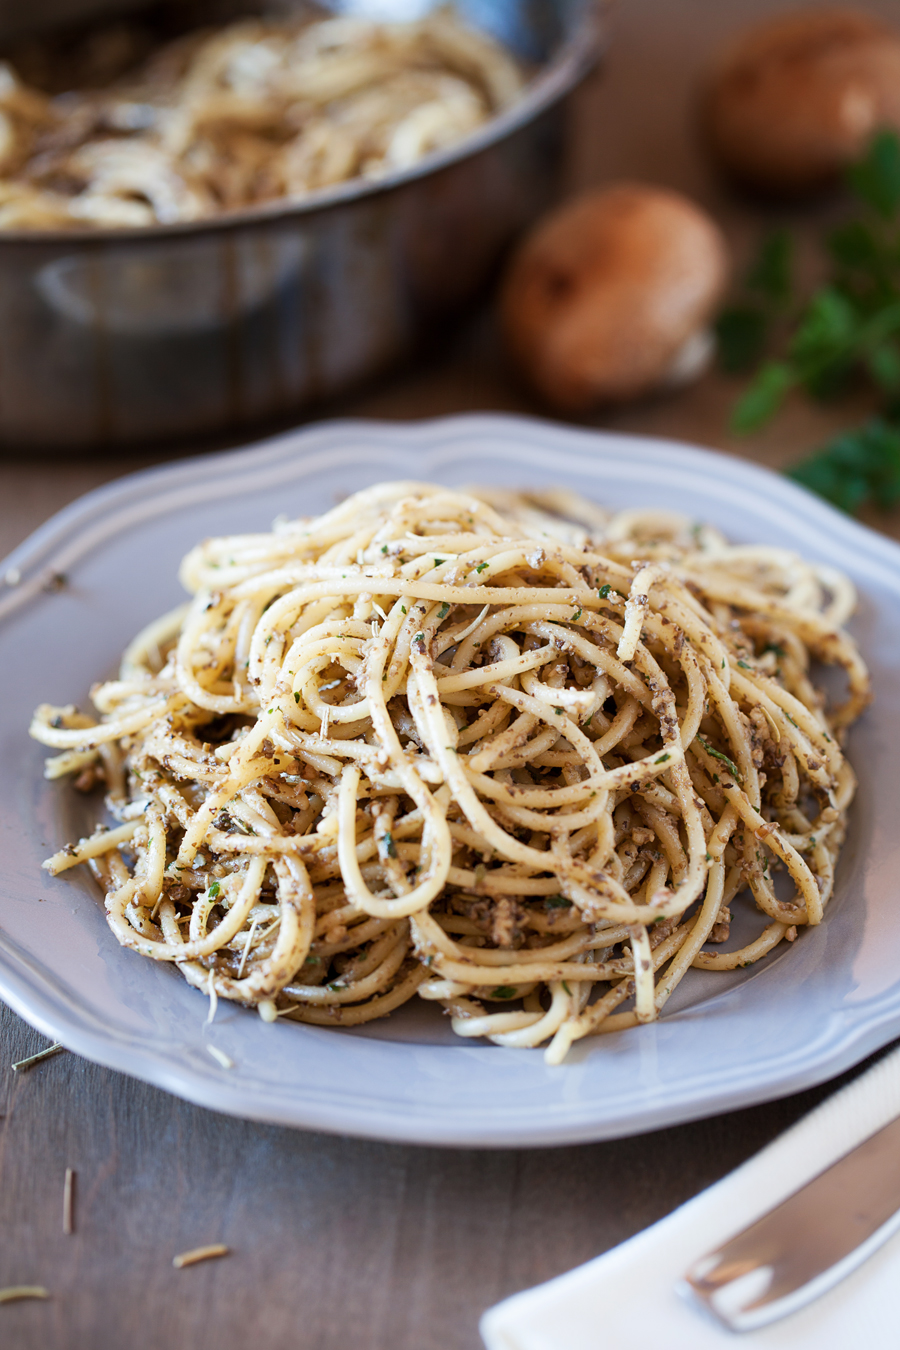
806 1015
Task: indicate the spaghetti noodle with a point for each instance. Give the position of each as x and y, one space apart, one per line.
462 745
252 112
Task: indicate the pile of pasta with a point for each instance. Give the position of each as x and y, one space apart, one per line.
505 752
252 112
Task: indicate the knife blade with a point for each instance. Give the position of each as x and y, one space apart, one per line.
805 1245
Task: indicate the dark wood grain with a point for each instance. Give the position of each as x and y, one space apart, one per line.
343 1243
334 1242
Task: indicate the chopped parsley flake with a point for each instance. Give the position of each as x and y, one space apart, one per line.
504 991
557 902
661 759
604 591
444 610
717 754
214 890
481 567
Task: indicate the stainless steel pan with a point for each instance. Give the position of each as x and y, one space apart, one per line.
115 336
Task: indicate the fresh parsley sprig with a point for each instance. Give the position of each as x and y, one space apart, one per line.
858 466
849 327
743 330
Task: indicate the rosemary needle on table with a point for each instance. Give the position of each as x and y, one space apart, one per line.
22 1064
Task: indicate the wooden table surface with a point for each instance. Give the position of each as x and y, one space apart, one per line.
341 1243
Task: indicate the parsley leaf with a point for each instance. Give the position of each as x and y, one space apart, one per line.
876 178
504 991
741 334
855 468
743 329
759 404
717 754
770 274
826 342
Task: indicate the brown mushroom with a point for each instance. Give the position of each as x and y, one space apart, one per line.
794 100
610 296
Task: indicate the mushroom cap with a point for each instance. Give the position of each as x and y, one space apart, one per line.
796 99
601 298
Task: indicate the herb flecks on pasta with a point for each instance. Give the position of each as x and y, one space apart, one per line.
509 753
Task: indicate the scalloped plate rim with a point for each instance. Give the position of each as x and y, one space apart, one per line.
86 523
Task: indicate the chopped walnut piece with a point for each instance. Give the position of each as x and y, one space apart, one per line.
722 926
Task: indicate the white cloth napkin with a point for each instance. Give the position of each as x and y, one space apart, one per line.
626 1299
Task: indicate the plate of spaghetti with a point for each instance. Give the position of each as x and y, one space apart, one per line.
478 781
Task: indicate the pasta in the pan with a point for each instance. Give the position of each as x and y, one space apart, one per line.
257 111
